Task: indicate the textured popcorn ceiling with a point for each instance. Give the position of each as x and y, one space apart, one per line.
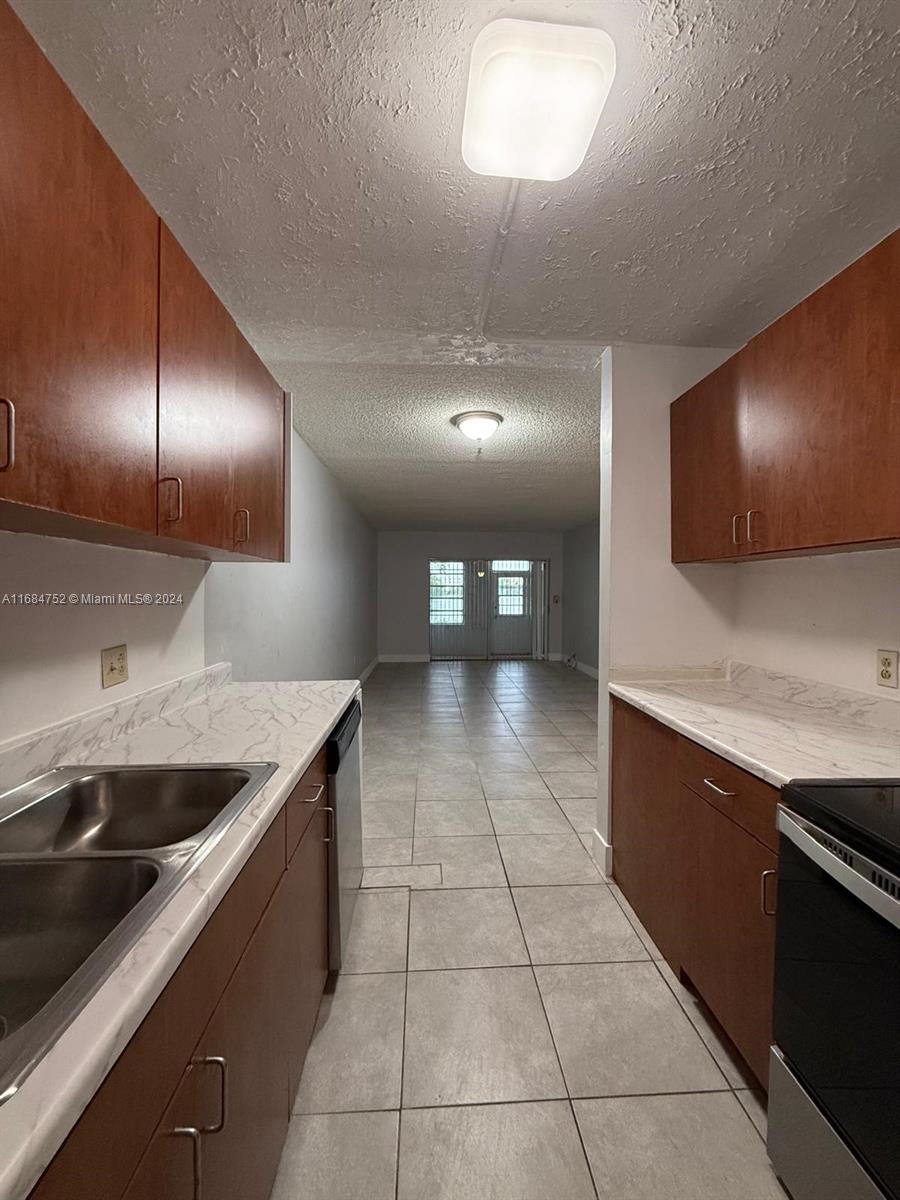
307 155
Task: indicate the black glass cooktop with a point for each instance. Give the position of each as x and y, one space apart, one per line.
863 812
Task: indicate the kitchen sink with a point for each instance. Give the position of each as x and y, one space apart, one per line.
125 808
54 913
89 856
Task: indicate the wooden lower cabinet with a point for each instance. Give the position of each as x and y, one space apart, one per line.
234 1091
699 870
729 956
647 832
221 1051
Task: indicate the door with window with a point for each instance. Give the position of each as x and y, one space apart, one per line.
510 632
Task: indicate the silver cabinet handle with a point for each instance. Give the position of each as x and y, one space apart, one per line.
330 835
734 529
179 509
216 1060
713 786
246 515
751 513
317 797
194 1134
762 892
10 460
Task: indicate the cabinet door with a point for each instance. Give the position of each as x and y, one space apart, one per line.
78 311
708 476
197 348
647 830
168 1168
258 458
307 884
730 947
823 393
249 1030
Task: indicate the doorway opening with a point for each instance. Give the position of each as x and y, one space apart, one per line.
483 608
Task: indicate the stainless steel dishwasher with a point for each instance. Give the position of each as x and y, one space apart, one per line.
344 796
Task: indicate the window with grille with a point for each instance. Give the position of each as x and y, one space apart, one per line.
511 564
510 596
447 594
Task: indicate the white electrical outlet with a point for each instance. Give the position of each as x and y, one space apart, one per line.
113 665
887 668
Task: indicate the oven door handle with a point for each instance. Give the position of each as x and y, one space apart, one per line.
845 865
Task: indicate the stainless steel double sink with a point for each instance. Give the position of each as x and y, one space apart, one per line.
88 858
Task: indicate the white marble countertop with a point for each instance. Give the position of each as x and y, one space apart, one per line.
221 722
777 726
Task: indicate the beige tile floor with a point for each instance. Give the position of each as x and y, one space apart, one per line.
504 1028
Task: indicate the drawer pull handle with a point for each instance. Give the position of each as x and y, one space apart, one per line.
10 434
216 1060
317 797
734 529
753 512
194 1134
329 837
769 912
713 786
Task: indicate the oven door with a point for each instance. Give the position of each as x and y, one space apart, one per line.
837 990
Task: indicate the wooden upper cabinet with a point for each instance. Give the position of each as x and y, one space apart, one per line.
823 388
815 400
258 522
708 430
78 312
221 437
197 365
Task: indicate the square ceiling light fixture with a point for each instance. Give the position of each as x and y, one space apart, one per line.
535 96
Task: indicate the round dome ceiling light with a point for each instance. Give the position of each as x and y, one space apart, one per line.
478 426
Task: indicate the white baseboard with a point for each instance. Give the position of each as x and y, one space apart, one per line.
602 854
364 675
402 658
586 670
554 658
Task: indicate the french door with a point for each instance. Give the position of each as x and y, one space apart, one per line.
487 608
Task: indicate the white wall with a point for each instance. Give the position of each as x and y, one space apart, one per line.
581 593
311 618
651 612
822 618
50 655
403 580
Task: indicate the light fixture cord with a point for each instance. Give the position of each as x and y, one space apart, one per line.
506 220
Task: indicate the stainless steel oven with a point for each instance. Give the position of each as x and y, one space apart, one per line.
834 1089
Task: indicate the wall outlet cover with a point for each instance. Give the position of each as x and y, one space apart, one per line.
887 668
113 665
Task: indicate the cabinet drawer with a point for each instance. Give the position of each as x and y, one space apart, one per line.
746 799
304 800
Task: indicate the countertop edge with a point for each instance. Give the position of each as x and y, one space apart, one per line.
638 699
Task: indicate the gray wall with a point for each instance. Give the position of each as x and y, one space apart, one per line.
311 618
581 593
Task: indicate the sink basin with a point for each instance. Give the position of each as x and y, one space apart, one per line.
54 913
89 856
121 808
